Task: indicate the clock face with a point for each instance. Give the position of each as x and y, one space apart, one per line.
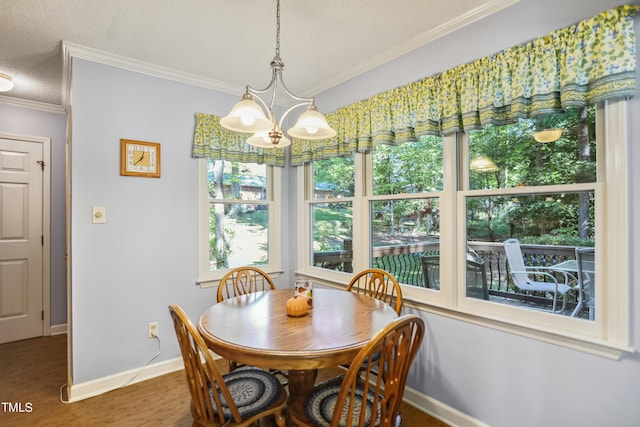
140 159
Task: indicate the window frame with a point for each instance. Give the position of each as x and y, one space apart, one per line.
208 278
606 336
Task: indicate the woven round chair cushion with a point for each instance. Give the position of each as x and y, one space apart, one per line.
252 390
320 405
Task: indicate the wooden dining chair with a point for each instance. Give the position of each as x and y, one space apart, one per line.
243 280
238 398
373 398
378 284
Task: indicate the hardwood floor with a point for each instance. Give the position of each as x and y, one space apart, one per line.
32 373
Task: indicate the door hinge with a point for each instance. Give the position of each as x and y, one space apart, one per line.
42 240
42 314
41 163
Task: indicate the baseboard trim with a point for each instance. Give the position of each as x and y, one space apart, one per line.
58 329
439 410
423 402
102 385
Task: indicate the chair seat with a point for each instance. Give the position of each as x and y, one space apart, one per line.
546 286
253 390
321 403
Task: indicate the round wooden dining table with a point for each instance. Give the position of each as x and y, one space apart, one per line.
254 329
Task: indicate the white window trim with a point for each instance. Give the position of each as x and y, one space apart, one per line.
208 278
607 336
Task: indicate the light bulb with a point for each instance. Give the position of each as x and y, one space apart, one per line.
312 130
247 118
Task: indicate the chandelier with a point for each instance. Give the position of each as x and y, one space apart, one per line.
249 116
5 82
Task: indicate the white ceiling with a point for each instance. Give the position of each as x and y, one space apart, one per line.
222 44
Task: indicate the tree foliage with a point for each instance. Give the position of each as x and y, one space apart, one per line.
521 161
524 162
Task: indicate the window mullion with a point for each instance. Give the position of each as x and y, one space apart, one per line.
613 233
448 226
361 227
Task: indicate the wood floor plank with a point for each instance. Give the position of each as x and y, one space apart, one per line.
34 371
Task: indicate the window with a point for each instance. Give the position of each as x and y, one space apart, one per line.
332 213
542 194
436 212
238 208
406 185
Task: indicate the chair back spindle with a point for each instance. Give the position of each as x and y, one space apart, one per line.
378 284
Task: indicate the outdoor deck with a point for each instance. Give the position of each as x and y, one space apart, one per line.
404 262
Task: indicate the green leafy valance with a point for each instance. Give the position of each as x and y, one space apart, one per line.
212 141
591 61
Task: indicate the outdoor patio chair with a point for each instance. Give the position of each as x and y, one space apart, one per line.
525 277
476 284
431 271
585 258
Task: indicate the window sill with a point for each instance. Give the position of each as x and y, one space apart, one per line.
597 347
213 282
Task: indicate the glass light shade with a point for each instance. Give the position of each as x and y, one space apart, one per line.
262 140
311 125
547 135
5 83
247 117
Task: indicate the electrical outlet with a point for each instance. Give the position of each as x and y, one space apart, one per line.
153 329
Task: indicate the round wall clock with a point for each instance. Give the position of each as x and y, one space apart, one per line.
139 158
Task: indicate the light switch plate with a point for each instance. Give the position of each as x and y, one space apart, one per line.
99 215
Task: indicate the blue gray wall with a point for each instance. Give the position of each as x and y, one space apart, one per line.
127 271
496 377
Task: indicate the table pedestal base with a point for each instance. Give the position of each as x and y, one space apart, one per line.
300 386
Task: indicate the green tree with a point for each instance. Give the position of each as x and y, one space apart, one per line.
522 161
335 174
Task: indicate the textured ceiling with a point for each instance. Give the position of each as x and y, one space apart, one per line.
220 43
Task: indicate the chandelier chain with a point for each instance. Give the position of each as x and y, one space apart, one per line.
254 114
278 28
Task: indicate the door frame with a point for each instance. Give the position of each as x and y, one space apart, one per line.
46 222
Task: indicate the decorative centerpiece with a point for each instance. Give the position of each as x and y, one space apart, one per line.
304 288
297 306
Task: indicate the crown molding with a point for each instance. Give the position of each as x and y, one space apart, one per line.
72 50
32 105
413 43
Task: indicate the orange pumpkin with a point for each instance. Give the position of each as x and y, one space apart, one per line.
296 306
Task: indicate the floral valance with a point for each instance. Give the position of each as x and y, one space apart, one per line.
212 141
591 61
580 65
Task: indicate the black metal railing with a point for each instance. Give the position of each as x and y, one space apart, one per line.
404 262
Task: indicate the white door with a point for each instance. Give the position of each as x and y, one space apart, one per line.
21 240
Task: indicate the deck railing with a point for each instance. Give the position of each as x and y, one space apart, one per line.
404 262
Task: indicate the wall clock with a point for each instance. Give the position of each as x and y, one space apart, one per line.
139 158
